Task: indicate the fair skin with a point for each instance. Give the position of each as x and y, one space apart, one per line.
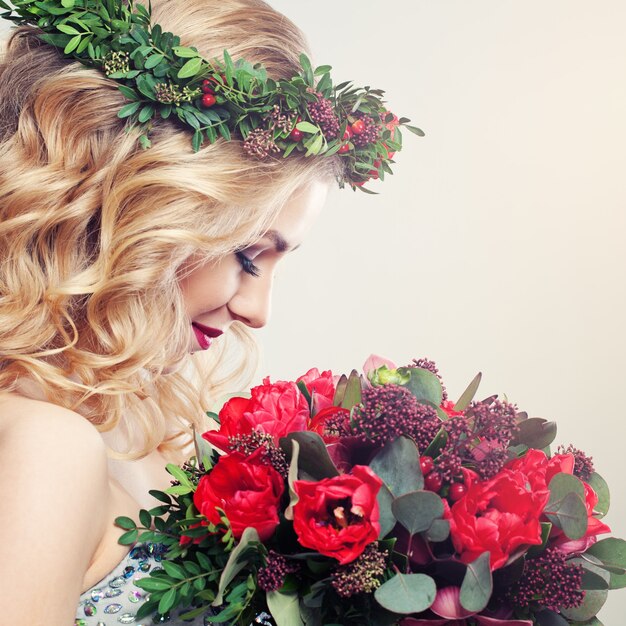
57 542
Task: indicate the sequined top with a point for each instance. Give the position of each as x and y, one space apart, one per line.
116 599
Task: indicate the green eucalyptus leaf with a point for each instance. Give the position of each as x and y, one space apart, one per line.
594 598
535 432
398 466
313 455
407 593
599 485
566 508
423 384
468 395
417 510
439 530
386 518
612 554
477 585
284 607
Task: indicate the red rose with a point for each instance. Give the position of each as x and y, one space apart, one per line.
499 515
320 386
246 489
338 516
540 470
274 408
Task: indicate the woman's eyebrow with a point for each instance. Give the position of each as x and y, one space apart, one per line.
279 241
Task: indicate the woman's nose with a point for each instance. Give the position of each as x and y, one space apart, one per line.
252 303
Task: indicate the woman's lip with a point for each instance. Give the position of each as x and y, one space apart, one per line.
207 330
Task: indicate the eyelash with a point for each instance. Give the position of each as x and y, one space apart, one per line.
248 266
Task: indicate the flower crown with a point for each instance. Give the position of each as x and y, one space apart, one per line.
220 98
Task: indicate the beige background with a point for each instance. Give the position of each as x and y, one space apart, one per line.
498 245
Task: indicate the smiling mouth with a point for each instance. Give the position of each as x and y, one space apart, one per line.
205 334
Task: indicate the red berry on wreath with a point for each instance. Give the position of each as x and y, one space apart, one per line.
208 100
433 481
206 86
358 127
427 465
296 134
457 491
348 133
345 148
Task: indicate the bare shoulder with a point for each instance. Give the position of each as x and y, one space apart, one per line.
55 495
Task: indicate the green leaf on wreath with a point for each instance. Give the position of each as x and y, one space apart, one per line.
407 593
285 608
477 585
167 601
125 522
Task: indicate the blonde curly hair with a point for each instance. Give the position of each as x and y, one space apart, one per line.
94 230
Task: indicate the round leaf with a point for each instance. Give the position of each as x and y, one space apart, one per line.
424 385
477 584
598 484
417 511
398 466
407 593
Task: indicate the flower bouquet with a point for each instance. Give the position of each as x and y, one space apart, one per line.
375 500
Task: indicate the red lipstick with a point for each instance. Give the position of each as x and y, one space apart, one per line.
204 334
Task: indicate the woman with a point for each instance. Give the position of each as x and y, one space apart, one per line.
117 263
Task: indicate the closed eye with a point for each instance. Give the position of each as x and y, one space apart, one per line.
248 266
